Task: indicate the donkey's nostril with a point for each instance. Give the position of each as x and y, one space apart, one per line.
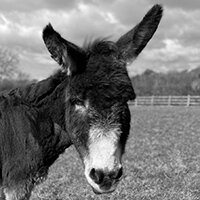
97 175
116 174
119 174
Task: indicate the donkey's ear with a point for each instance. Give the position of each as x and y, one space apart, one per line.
68 55
133 42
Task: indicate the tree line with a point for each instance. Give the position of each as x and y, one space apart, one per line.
10 75
146 84
171 83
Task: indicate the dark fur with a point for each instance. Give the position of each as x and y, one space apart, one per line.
38 122
29 144
30 139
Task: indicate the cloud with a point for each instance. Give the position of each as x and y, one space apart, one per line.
172 56
183 4
37 65
172 51
29 6
175 44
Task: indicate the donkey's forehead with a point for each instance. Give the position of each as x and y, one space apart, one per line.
105 84
105 74
103 61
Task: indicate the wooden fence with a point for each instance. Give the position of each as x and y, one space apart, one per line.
167 101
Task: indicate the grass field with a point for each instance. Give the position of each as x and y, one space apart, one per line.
162 161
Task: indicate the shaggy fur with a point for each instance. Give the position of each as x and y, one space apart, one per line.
38 122
31 138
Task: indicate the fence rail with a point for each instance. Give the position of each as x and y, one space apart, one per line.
167 101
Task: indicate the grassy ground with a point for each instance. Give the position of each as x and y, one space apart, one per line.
162 161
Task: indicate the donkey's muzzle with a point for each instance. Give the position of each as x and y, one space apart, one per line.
106 179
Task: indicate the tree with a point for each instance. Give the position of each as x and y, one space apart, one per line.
8 64
10 75
171 83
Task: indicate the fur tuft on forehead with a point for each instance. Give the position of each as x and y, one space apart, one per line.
101 47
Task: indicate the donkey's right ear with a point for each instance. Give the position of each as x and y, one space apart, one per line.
133 42
68 55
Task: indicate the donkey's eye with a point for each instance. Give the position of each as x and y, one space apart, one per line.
77 101
81 105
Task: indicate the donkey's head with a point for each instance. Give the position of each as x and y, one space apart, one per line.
96 112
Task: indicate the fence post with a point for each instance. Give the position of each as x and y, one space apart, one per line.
188 100
136 102
169 100
152 100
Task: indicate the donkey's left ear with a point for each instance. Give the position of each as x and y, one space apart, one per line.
133 42
68 55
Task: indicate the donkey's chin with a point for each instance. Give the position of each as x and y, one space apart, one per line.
103 191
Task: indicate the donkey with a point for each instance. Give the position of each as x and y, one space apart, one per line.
84 104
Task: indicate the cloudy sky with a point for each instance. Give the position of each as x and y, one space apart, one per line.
175 45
